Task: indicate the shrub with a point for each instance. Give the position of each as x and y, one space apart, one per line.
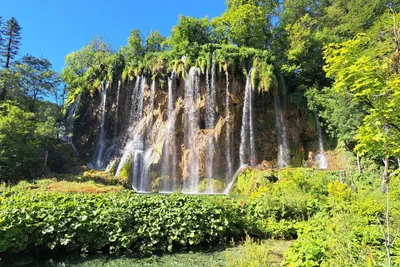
253 254
84 222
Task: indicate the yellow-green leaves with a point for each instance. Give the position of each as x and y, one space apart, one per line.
368 79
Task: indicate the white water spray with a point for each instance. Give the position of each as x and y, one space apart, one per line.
191 127
101 145
116 110
228 136
320 158
169 150
210 122
247 141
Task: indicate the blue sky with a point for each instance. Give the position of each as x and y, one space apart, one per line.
54 28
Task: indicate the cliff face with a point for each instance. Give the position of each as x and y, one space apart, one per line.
119 128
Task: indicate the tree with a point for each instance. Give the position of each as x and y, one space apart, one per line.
155 42
188 35
365 73
37 80
1 35
10 40
11 32
20 154
87 68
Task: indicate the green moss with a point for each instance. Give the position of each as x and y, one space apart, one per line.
126 171
297 158
250 179
216 185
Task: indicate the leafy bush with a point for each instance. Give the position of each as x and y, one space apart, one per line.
253 254
84 222
24 138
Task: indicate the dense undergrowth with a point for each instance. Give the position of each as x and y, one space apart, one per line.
333 223
114 221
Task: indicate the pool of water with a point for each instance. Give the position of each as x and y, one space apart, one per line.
200 259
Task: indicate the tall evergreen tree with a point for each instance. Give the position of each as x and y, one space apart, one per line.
1 38
9 46
11 32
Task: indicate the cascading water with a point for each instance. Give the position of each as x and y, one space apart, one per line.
136 104
100 147
191 127
247 141
169 153
67 136
134 149
282 135
320 158
151 110
228 135
116 110
210 122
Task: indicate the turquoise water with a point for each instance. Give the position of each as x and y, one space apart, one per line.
200 259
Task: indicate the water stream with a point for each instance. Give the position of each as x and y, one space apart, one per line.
247 141
321 157
191 128
169 150
101 145
210 123
282 135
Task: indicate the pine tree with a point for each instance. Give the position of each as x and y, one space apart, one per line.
1 38
11 32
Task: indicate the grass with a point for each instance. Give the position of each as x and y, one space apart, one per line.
90 182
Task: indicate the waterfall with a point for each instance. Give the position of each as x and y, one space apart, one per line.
134 150
228 142
151 110
169 150
136 102
191 127
210 122
320 158
100 147
69 131
247 141
230 184
282 135
116 110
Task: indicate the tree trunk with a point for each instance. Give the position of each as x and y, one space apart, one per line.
385 174
7 66
359 164
46 156
9 50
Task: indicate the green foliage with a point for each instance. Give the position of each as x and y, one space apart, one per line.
188 36
263 77
249 180
126 170
86 69
347 233
253 254
24 137
10 34
115 221
369 81
155 42
36 80
244 25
